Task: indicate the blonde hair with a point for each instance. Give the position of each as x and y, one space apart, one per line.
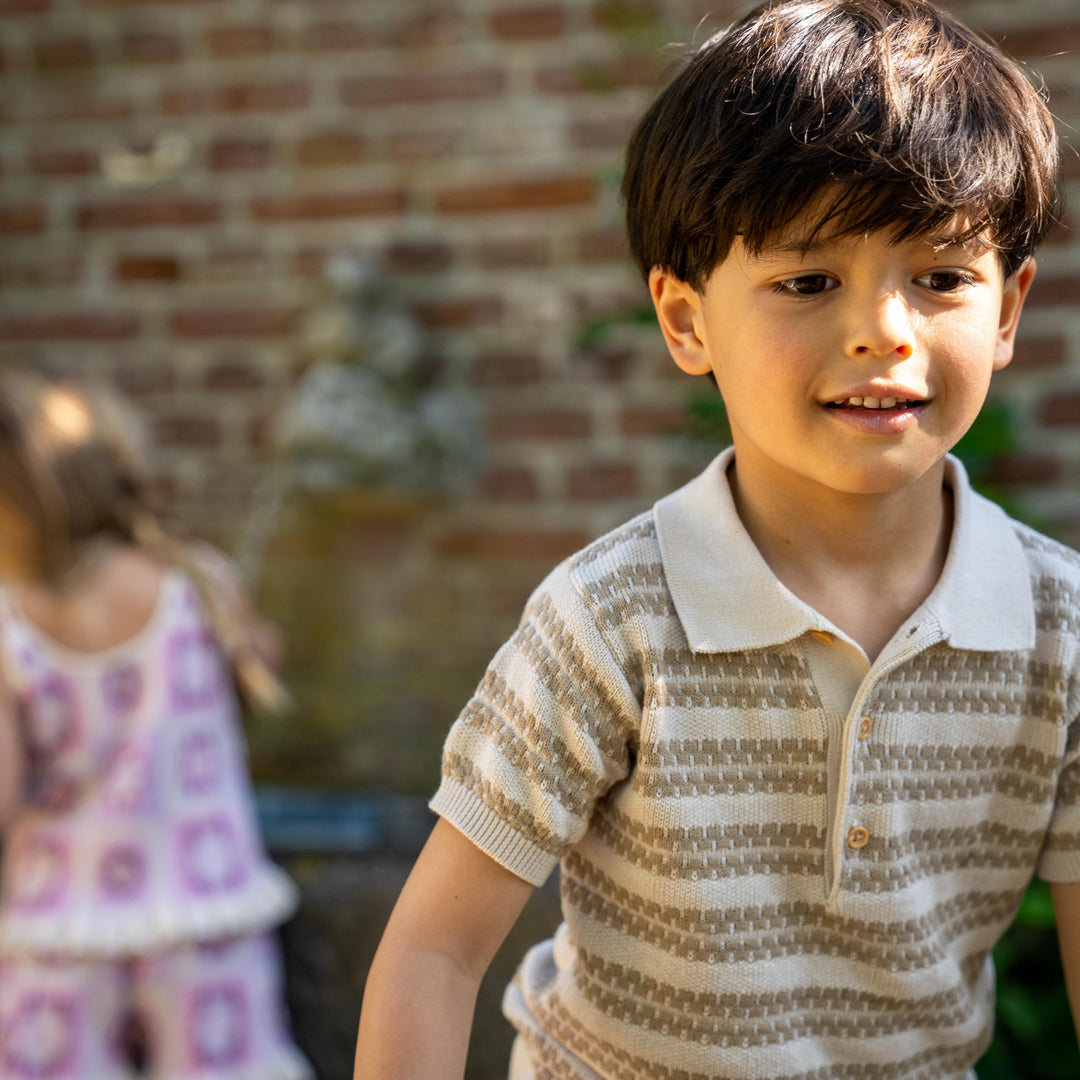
75 467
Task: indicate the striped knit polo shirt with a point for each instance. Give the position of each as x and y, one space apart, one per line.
778 860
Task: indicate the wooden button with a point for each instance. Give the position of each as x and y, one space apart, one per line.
865 727
823 636
858 838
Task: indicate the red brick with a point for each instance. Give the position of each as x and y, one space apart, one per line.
81 105
601 77
609 363
429 26
1039 352
333 34
130 268
510 483
423 86
328 204
552 423
520 24
150 46
460 312
239 152
506 369
68 326
234 373
330 148
69 161
1051 291
626 14
145 379
652 420
609 132
547 544
33 273
418 256
1040 41
516 195
603 246
1062 410
148 211
62 52
179 430
1024 470
22 218
279 96
514 254
252 40
232 322
602 480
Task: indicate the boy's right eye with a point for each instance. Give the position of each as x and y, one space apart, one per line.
805 285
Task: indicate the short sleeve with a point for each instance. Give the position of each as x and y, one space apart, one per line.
546 734
1060 857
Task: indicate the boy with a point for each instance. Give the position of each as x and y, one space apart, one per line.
799 736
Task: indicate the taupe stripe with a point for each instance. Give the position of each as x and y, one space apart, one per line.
731 767
534 748
752 850
618 1064
465 772
769 680
576 687
783 930
763 1018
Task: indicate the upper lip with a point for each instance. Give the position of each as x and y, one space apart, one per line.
901 393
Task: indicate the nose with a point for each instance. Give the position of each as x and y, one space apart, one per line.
881 327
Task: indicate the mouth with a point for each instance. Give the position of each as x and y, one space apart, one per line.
891 404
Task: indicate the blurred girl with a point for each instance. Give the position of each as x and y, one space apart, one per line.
134 881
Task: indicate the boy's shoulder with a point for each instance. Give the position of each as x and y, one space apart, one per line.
1048 560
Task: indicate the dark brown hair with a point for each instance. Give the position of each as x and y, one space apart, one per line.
882 114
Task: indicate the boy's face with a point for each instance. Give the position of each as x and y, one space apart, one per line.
853 366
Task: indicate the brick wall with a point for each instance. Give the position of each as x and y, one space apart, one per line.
173 173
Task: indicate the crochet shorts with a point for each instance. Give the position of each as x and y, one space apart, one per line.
201 1012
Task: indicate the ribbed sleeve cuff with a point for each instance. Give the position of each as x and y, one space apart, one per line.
493 836
1060 866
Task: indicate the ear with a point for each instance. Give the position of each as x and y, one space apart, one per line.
677 306
1012 303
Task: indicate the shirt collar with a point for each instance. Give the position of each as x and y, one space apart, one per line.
728 599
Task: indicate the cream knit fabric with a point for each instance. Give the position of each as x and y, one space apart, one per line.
777 860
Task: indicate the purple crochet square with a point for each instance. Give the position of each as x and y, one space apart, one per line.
210 856
199 762
53 715
219 1026
41 1038
194 669
41 873
121 687
122 872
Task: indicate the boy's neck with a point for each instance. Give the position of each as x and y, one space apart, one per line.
865 562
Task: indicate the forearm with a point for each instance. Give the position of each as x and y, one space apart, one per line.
11 769
416 1018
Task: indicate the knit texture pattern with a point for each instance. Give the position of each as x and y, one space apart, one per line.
754 887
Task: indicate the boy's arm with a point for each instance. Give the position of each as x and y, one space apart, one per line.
454 912
1066 897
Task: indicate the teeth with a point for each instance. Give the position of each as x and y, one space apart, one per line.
872 402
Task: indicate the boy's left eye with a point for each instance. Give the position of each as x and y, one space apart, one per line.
945 281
